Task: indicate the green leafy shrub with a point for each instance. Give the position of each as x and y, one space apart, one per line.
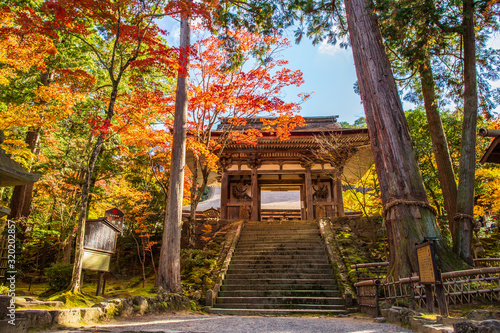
59 276
4 290
196 266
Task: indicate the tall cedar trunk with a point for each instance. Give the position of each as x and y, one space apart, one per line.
445 170
465 202
169 268
196 196
410 219
76 278
191 223
20 203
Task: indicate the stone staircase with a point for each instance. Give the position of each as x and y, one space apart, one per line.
279 268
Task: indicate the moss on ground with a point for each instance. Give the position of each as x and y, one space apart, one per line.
75 300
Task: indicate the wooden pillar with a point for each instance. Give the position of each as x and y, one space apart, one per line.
339 195
309 194
302 203
224 194
255 196
99 283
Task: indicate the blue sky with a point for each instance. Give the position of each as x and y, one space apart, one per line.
329 75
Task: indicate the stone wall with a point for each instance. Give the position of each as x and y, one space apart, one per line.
131 306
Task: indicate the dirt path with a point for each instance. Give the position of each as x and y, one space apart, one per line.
236 324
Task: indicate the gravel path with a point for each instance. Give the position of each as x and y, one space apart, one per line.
236 324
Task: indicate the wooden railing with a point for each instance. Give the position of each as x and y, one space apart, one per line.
370 271
487 262
3 257
461 287
368 297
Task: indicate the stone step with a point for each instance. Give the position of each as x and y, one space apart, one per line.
283 227
275 253
288 237
284 246
285 237
280 235
280 238
272 250
278 256
279 231
281 300
276 271
280 293
277 243
277 223
331 285
274 312
280 266
278 261
279 306
282 243
278 281
283 275
289 226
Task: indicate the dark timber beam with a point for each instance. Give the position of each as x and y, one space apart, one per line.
224 194
255 196
309 201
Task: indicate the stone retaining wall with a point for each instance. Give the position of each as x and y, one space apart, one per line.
476 321
138 305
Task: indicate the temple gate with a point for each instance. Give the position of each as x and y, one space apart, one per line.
245 170
275 165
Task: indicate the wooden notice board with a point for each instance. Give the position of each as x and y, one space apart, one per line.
427 264
96 260
99 236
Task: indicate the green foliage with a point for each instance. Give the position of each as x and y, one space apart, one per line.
420 135
416 30
4 290
491 244
59 275
452 125
75 300
357 250
358 123
196 269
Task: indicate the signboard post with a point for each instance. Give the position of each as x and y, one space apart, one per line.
100 243
430 275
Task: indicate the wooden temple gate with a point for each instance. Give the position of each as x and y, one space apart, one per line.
275 165
242 182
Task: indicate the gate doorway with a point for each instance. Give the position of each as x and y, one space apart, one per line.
280 202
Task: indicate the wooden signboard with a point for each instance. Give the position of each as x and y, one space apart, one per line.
99 236
427 264
115 218
99 244
96 260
